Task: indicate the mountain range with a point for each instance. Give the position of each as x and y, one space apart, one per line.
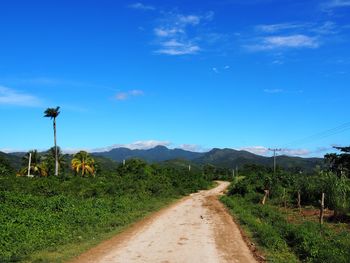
227 158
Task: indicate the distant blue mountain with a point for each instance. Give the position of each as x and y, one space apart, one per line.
157 154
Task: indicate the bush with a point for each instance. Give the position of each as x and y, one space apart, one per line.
308 241
43 213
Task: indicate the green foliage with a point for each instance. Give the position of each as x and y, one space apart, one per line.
284 241
52 112
49 160
83 164
263 232
43 213
217 173
5 167
339 163
309 241
283 187
337 190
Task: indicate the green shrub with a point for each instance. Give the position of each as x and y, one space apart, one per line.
285 241
43 213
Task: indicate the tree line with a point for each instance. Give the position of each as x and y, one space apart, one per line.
289 189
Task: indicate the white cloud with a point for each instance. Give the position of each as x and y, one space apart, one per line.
294 41
188 20
220 69
326 28
183 49
283 42
338 3
177 34
273 91
9 150
261 150
127 94
278 62
172 43
136 92
291 35
140 145
168 32
295 152
13 97
273 28
192 148
142 6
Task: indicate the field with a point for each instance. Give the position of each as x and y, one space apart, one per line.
282 230
54 218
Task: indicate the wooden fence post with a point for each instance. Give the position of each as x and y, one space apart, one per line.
265 196
299 201
322 209
284 198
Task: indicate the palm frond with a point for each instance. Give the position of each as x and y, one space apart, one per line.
52 112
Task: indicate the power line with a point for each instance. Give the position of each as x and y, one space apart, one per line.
320 135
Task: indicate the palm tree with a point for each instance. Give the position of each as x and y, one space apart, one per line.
50 160
36 167
53 113
83 163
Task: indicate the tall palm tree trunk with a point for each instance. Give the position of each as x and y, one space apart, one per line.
56 150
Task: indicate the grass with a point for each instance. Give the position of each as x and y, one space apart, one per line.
285 240
66 252
53 219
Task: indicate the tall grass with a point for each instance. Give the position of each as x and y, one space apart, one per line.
285 241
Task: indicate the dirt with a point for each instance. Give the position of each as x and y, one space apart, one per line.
195 229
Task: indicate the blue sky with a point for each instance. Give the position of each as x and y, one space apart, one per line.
192 74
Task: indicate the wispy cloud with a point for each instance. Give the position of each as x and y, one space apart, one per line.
295 28
142 6
178 34
261 150
181 49
218 70
141 145
291 35
215 70
273 28
296 152
273 91
192 148
128 94
337 3
327 28
14 97
285 42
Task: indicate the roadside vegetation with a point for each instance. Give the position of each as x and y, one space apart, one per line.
42 214
284 214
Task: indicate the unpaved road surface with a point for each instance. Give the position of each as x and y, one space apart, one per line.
197 229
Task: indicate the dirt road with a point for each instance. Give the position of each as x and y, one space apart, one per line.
196 229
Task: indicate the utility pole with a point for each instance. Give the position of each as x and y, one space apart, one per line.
29 163
274 150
